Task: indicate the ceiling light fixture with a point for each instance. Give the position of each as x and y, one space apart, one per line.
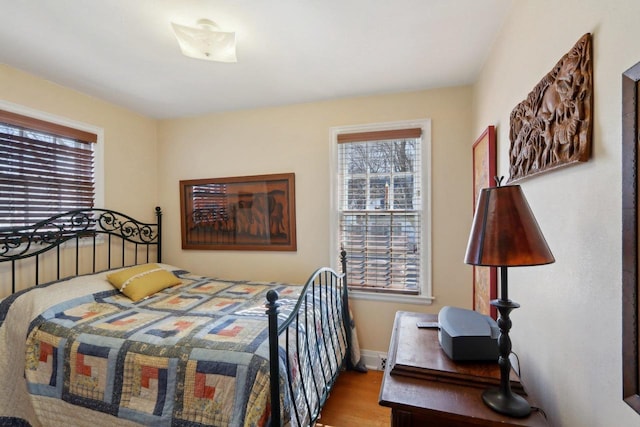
206 42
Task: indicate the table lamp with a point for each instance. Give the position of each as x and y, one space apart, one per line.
505 234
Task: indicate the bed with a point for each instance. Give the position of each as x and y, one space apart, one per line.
97 330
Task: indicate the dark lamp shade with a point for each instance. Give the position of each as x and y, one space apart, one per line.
505 232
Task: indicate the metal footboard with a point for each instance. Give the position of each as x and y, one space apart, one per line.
301 345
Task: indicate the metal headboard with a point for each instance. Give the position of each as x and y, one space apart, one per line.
90 230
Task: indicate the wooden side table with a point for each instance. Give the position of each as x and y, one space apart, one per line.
444 393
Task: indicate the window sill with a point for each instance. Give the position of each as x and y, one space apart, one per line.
386 297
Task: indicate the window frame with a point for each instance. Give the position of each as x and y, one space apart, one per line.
425 295
98 149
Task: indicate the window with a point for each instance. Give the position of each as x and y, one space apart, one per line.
381 196
45 169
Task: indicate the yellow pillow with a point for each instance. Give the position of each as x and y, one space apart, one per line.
140 281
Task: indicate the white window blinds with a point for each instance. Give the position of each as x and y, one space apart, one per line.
45 169
380 209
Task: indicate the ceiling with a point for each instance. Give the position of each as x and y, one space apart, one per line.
289 51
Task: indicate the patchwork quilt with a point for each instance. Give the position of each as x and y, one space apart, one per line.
78 352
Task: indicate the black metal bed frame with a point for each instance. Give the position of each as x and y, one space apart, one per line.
84 227
328 285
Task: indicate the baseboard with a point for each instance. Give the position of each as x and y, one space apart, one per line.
374 360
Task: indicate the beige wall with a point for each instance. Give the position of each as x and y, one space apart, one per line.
568 330
297 139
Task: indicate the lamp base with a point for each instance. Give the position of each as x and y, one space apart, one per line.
506 403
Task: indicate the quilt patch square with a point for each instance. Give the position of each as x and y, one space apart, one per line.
88 366
83 313
148 384
243 332
176 302
128 321
219 305
171 330
246 290
209 287
42 360
209 392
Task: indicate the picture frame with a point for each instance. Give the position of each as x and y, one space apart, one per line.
552 127
630 232
485 279
253 213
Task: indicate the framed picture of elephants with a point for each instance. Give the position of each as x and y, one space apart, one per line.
253 213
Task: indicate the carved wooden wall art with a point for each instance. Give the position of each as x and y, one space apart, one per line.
552 127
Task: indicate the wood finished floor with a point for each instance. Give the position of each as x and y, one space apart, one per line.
354 402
